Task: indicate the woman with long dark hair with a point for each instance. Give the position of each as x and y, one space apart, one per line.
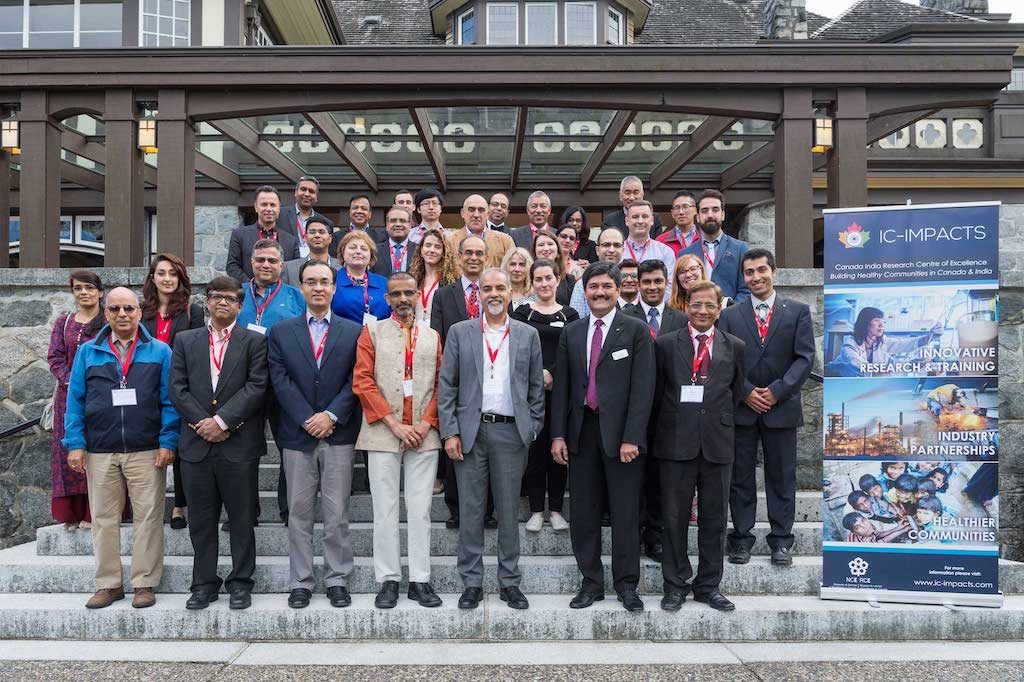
166 310
586 249
868 345
69 502
547 246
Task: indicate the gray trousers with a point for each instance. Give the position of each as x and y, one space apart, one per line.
329 468
499 454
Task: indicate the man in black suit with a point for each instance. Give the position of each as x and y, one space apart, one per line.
454 303
295 217
600 406
661 320
497 211
779 337
395 253
631 189
538 209
268 209
699 381
218 383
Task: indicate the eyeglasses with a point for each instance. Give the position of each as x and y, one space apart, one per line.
710 307
82 288
261 260
474 252
116 309
693 269
610 245
683 206
403 293
217 298
628 275
316 282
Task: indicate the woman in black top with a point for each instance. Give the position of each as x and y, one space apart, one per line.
586 249
547 246
548 317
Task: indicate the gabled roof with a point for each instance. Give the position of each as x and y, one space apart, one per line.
869 18
815 21
704 22
403 22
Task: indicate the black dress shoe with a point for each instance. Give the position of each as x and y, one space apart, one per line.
451 523
178 523
514 596
424 594
585 599
200 599
471 597
299 598
606 520
631 600
240 599
339 596
782 556
739 555
387 597
490 522
653 551
673 601
715 600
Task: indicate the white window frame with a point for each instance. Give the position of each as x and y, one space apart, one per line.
622 27
526 22
77 234
142 16
565 22
458 26
76 33
514 6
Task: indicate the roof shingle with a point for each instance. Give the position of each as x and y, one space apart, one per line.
869 18
404 22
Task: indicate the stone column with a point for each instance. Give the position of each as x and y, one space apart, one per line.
124 204
794 228
39 185
176 184
5 209
785 19
848 159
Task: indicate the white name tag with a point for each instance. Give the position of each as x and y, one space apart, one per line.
123 397
303 250
620 353
558 323
253 327
368 318
691 394
407 388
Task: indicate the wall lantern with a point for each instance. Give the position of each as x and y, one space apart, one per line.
822 132
147 135
10 137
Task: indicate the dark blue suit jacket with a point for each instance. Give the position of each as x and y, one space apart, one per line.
302 389
728 273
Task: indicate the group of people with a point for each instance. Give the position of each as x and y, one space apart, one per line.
641 371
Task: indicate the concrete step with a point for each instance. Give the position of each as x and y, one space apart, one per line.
757 618
808 507
272 540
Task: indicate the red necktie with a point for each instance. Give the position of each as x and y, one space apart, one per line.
473 302
595 356
705 360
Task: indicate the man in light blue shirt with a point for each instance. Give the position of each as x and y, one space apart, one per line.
266 299
610 245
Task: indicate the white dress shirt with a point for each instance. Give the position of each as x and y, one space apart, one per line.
696 344
647 310
755 301
497 384
220 347
607 319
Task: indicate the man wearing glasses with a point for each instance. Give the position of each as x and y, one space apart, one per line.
295 218
121 428
684 210
218 384
610 245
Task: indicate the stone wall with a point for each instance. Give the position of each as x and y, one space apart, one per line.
212 234
785 19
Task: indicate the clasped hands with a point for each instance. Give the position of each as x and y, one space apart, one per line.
320 425
409 436
761 400
560 452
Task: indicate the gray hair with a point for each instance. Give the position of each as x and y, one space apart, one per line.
403 209
537 195
472 236
630 178
269 244
487 271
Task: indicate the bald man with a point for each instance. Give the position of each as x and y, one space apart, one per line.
474 219
120 428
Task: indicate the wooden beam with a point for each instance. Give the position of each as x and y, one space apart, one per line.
431 148
249 140
747 166
336 137
517 146
883 126
77 143
219 173
616 129
82 176
700 139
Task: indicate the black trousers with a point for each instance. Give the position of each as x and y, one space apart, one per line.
592 476
211 484
650 506
544 476
179 487
779 447
679 481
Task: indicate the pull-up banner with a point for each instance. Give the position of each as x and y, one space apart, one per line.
911 403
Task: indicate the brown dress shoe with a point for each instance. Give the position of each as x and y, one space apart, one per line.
144 597
105 597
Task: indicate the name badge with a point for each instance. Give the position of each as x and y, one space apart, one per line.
368 318
558 323
620 353
691 394
253 327
123 397
407 388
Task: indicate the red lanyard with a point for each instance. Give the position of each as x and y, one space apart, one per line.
268 234
425 294
707 257
366 292
698 358
762 327
126 364
410 345
318 351
396 262
163 327
266 301
642 253
218 360
682 237
492 353
302 228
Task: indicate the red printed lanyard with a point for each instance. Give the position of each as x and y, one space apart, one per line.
396 263
642 253
126 364
425 294
302 229
707 256
266 301
762 327
492 353
318 351
366 292
698 358
218 360
410 346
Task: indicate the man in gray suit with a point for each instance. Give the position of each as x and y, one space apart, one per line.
318 239
491 407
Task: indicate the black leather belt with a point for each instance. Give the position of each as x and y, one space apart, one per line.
491 418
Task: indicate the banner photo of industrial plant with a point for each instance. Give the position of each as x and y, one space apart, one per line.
911 404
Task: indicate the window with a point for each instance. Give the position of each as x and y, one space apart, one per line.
56 24
580 23
1016 77
261 38
502 23
89 229
465 32
541 23
99 23
616 27
12 24
51 23
166 23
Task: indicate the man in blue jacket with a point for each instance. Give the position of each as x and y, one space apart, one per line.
311 360
721 253
120 428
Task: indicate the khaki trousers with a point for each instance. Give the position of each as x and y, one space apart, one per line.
107 474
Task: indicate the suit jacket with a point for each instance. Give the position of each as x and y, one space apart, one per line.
671 319
498 244
624 389
460 385
287 220
193 318
239 264
522 236
782 364
303 390
618 219
290 274
384 266
684 430
447 308
239 399
727 272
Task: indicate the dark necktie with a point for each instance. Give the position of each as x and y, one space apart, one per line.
762 311
595 356
473 302
396 257
705 360
652 315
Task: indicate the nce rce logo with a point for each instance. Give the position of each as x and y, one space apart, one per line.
854 237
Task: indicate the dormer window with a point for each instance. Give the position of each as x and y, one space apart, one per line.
616 27
581 23
502 23
541 23
466 27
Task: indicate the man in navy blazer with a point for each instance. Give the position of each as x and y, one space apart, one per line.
779 338
294 217
721 253
311 359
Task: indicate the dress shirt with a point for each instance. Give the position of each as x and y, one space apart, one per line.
220 348
375 405
755 301
406 246
696 343
288 302
607 319
647 310
303 246
578 300
497 385
499 228
466 282
675 240
417 232
652 250
710 246
318 328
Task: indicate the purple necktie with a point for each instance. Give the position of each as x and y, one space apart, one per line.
595 356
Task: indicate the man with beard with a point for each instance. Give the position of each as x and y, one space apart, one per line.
631 190
295 218
721 253
491 407
538 208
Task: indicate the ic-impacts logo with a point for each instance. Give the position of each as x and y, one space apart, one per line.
858 567
854 237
